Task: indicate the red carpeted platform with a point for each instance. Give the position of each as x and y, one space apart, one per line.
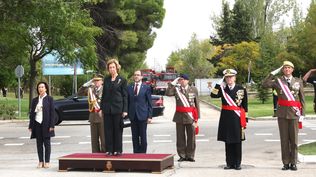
131 162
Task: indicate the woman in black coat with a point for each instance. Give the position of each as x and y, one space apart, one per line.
42 123
232 119
114 107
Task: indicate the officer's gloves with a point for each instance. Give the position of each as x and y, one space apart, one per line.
276 71
175 82
88 84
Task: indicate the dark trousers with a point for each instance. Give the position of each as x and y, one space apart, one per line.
185 140
139 135
42 142
113 131
233 154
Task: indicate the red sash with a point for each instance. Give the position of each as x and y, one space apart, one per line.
282 102
243 122
193 110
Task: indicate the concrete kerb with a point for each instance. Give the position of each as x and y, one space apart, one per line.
301 157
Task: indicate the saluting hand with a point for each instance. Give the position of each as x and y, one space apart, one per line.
51 129
124 114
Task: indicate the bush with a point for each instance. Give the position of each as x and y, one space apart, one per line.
7 111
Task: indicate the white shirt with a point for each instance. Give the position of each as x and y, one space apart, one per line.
39 109
231 87
138 86
288 79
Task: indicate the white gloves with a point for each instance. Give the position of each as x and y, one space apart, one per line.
88 84
276 71
301 119
175 82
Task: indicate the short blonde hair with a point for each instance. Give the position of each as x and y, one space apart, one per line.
116 62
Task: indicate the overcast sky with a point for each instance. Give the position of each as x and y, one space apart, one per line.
182 19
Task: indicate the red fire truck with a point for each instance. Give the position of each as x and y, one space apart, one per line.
163 79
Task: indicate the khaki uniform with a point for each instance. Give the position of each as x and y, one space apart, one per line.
287 118
184 123
96 121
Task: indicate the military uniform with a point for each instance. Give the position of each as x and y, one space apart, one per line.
229 129
184 123
95 118
287 117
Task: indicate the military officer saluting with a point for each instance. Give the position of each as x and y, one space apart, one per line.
186 116
232 120
291 104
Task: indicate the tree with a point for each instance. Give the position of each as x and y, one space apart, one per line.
193 59
225 25
128 30
40 27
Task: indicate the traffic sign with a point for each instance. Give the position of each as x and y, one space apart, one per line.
19 71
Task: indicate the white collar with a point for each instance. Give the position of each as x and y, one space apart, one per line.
139 83
39 97
231 87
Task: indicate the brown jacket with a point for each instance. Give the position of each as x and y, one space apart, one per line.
297 89
192 96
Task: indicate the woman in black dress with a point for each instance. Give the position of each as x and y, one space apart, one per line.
114 107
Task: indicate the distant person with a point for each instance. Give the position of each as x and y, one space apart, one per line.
232 121
4 91
186 116
291 110
311 79
93 89
139 111
114 107
42 123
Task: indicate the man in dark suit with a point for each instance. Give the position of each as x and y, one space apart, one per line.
139 111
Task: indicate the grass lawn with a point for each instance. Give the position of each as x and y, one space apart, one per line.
257 109
11 100
308 149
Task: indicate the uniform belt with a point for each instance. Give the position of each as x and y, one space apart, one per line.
242 113
188 109
282 102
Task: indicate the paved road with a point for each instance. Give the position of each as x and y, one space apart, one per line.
261 150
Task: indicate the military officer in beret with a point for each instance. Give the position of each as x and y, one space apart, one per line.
290 112
233 117
93 89
186 116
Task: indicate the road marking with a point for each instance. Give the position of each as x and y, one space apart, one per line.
310 126
24 137
270 140
88 136
202 140
84 143
127 135
127 142
1 138
61 136
162 141
14 144
309 140
263 134
313 128
57 143
200 135
302 134
162 135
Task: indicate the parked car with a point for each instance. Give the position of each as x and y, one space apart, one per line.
77 108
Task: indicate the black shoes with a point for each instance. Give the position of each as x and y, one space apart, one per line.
186 159
293 167
228 167
289 167
182 159
236 167
117 153
109 153
286 167
190 159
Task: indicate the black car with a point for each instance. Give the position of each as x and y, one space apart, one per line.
77 108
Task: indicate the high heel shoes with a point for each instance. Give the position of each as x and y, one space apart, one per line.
40 165
46 165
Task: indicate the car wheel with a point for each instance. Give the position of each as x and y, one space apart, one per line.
57 118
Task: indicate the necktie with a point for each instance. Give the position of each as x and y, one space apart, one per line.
135 89
288 82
